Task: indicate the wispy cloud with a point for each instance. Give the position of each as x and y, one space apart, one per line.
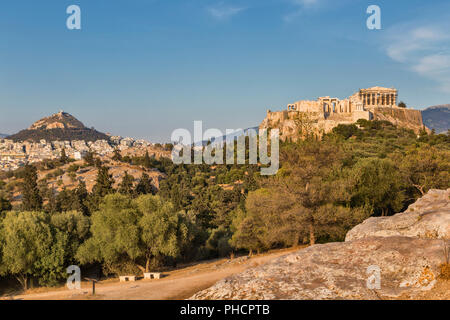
299 6
424 50
222 11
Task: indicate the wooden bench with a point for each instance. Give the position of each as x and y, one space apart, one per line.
127 278
152 275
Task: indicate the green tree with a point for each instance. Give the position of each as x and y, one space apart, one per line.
426 168
402 104
69 230
64 159
377 183
126 186
52 205
65 200
117 155
5 204
248 234
89 158
126 233
163 230
81 198
346 131
32 199
115 240
27 242
144 186
104 182
147 162
290 207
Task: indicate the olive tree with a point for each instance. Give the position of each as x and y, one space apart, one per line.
27 241
164 231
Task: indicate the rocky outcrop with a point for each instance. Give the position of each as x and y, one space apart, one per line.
58 127
293 124
61 120
338 271
401 117
428 218
402 252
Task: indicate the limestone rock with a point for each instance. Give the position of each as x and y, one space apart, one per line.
404 249
338 271
428 217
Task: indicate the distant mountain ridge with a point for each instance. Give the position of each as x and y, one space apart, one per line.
233 136
3 135
437 118
60 126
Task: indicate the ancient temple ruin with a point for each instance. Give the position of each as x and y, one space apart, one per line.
325 113
357 104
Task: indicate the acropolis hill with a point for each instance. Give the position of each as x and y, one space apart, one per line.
321 116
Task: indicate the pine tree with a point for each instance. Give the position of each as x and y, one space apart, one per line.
89 158
103 187
32 199
147 161
5 204
104 183
145 185
52 204
64 159
117 155
65 200
126 186
81 195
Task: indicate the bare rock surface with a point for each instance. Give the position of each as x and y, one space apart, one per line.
428 217
338 271
404 248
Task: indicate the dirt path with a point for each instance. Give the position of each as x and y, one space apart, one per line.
178 284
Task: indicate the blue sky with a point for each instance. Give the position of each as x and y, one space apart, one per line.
143 68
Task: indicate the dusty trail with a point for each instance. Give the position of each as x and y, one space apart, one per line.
178 284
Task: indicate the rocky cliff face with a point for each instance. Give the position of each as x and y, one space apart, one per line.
61 120
427 218
404 118
292 124
402 251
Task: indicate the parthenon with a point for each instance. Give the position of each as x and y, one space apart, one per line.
325 113
378 96
361 101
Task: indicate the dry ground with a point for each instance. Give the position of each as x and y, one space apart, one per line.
183 283
176 285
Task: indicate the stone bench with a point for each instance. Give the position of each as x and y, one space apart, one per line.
152 275
127 278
